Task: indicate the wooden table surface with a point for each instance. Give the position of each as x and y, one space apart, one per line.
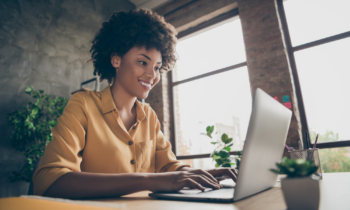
335 194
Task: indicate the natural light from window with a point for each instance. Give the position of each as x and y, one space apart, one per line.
324 71
310 20
223 100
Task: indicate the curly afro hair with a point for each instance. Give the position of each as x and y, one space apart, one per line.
124 31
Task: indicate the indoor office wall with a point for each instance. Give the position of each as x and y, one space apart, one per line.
44 44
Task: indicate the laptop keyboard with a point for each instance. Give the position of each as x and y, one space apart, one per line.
209 192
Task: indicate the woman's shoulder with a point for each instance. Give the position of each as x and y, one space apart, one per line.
85 97
82 94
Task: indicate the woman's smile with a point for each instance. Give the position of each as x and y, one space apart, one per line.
145 84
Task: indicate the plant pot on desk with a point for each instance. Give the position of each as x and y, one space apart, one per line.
301 193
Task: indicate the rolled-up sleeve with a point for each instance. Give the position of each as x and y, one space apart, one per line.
63 153
165 158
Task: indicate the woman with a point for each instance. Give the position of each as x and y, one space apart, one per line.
107 143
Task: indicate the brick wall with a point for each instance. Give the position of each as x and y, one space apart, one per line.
267 58
158 99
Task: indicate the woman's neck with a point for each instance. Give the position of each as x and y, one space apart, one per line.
122 99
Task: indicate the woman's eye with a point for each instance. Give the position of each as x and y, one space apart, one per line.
143 63
157 68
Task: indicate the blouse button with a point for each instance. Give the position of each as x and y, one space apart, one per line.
132 161
130 143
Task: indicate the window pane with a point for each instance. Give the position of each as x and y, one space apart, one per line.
324 73
223 100
335 159
213 49
316 19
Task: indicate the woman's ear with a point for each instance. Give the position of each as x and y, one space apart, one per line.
115 60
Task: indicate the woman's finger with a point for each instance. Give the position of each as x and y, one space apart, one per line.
204 181
235 171
210 180
199 171
190 183
231 174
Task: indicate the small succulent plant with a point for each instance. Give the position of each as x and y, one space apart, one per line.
295 167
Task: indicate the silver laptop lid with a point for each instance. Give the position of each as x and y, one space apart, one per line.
263 147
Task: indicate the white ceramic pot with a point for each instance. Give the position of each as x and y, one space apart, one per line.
301 193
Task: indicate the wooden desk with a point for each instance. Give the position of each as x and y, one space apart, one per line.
335 192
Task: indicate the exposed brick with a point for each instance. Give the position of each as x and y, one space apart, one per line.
267 59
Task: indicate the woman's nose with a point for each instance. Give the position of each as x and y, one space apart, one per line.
151 73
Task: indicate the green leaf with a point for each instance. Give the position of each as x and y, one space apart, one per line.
223 154
275 171
228 149
219 161
212 129
213 142
35 111
238 162
230 145
227 160
228 140
31 126
30 161
224 137
226 165
29 89
208 129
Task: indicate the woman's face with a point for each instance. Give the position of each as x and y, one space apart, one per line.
138 71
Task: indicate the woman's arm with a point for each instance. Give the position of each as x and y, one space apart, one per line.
94 185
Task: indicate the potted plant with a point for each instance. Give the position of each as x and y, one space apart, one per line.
299 189
32 129
221 153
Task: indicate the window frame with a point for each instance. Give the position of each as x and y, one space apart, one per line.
298 92
171 84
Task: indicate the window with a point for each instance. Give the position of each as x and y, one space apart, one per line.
318 45
335 159
210 87
324 73
316 19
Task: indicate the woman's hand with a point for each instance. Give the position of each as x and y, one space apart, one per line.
219 173
224 173
175 181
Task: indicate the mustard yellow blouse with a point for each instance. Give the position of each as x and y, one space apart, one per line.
90 137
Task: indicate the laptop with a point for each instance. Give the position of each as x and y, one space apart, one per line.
263 148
